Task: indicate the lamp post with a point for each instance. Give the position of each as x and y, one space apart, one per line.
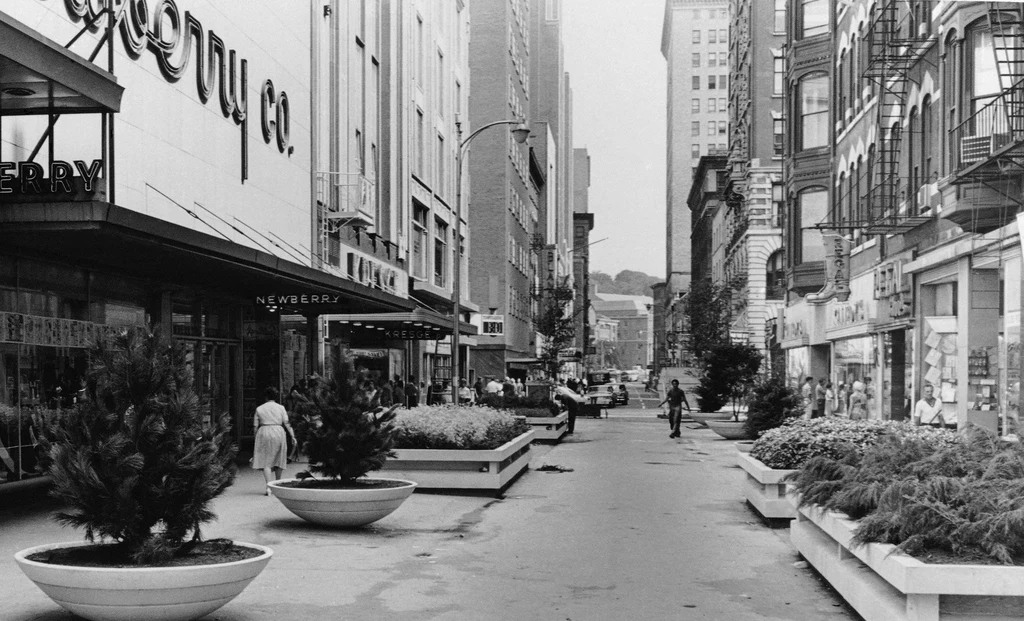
520 133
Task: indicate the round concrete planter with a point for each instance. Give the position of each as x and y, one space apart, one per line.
704 417
730 430
142 593
345 508
744 446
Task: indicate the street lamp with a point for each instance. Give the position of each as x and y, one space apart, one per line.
520 133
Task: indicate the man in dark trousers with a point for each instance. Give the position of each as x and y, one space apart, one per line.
676 399
412 393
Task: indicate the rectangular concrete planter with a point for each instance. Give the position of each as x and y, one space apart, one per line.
765 490
550 428
882 585
462 469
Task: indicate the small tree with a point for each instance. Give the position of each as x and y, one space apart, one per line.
554 323
771 403
729 370
708 313
343 434
135 460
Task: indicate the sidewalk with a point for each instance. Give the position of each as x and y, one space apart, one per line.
644 527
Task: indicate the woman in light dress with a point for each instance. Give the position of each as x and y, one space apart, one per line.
271 447
858 402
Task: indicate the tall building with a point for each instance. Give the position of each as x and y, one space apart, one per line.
807 187
508 182
583 223
753 194
216 197
695 45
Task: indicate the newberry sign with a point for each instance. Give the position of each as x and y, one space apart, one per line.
170 36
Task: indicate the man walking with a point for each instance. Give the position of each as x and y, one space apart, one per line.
676 398
819 399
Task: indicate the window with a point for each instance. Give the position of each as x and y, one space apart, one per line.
711 105
711 36
810 209
696 36
722 146
775 281
440 253
712 59
721 104
723 59
711 128
421 139
695 151
711 82
711 147
695 82
421 58
695 128
723 127
721 36
694 105
779 75
780 15
440 83
841 86
812 111
984 76
913 161
442 180
419 242
721 82
813 17
927 141
778 138
696 59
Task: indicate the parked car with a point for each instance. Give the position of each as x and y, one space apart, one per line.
621 395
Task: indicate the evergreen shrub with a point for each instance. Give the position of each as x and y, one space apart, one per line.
137 461
770 404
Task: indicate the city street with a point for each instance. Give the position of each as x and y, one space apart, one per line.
642 527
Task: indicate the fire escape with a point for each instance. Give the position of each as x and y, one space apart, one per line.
895 46
987 149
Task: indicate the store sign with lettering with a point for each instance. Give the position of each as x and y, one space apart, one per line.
371 273
413 334
297 299
849 314
57 178
837 265
893 290
52 331
174 39
368 353
794 329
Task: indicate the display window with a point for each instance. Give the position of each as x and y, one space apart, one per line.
855 369
797 364
939 355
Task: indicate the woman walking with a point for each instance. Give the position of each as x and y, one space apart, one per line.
271 447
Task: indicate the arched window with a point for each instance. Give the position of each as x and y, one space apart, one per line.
812 111
913 160
927 141
775 276
841 86
839 200
952 92
853 74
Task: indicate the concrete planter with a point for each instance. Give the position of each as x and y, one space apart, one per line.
882 584
463 469
704 417
550 428
728 429
765 490
141 593
744 446
344 508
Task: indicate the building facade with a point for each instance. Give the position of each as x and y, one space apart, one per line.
633 346
923 274
753 195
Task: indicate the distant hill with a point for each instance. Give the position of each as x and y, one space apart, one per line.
626 282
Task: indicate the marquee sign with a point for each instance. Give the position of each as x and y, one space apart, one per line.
59 176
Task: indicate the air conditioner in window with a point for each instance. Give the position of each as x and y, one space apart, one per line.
975 148
928 197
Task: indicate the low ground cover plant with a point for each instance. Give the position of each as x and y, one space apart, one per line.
456 427
520 405
791 445
956 500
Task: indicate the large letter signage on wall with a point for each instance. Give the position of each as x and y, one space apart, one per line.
170 37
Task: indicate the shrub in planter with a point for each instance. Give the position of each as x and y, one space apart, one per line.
343 435
518 403
456 427
728 371
791 445
135 461
771 403
957 500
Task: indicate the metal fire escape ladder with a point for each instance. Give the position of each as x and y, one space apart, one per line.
894 49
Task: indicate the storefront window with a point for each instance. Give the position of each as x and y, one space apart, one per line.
940 353
856 369
1010 342
796 366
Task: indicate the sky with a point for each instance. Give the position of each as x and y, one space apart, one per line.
618 78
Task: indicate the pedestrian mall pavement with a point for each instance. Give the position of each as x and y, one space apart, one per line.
642 527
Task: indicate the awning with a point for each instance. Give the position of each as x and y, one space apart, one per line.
38 76
408 325
95 235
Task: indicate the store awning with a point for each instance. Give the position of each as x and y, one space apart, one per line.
405 325
38 76
96 235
